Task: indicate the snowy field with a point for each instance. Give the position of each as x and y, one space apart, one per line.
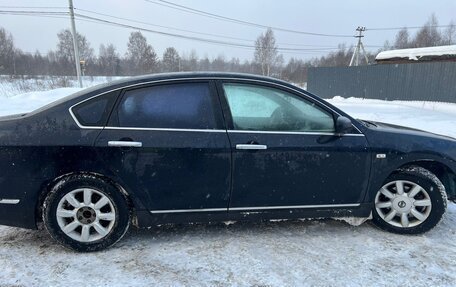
293 253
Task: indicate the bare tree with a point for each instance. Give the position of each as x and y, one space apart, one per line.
219 64
65 46
402 39
109 60
193 61
205 64
234 65
65 52
6 52
386 46
449 35
266 54
428 35
140 55
171 60
338 58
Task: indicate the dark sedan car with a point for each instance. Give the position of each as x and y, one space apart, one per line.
200 147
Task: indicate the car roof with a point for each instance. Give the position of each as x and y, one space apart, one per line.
184 75
138 80
143 79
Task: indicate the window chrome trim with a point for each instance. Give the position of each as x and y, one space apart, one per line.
295 89
229 131
294 133
165 129
255 208
9 201
76 120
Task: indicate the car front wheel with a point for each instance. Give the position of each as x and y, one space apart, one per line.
86 213
412 201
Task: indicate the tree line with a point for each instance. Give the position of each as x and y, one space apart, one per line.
141 58
427 36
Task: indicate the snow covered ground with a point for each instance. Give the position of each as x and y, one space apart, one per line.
299 253
294 253
11 86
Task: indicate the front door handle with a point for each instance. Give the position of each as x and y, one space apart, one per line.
124 144
251 146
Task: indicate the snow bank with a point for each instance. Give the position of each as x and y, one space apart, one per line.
28 102
14 86
417 53
439 118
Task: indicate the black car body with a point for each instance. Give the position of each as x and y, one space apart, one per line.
198 165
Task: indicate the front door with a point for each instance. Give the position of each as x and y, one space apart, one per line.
286 153
169 144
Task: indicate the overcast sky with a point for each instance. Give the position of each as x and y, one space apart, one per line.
323 16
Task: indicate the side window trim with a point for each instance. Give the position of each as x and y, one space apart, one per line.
113 121
110 107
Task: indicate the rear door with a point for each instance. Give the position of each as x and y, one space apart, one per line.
168 143
286 154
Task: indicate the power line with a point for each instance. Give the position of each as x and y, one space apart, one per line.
40 16
211 41
97 20
192 31
400 28
161 26
237 21
33 7
55 16
112 23
23 12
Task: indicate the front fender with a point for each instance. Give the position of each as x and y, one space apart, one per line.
385 163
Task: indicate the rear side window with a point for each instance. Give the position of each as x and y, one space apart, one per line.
95 112
182 106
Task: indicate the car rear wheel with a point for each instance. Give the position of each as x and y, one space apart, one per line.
412 201
86 213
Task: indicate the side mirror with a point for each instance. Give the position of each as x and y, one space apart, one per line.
343 125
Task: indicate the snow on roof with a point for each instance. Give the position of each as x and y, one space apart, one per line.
417 53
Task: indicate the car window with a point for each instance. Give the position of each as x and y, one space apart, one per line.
95 112
268 109
183 106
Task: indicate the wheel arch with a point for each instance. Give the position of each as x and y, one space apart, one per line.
47 187
439 169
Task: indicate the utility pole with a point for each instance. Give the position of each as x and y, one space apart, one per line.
75 43
355 58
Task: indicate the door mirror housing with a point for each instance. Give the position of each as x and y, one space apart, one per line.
343 125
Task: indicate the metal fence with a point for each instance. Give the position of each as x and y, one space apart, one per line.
410 82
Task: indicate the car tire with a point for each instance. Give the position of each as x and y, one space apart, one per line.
86 213
412 201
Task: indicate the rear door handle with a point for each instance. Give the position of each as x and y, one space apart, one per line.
251 146
124 144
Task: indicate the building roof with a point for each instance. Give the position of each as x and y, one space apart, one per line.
417 53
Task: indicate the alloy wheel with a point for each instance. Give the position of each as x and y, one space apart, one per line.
86 215
403 204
